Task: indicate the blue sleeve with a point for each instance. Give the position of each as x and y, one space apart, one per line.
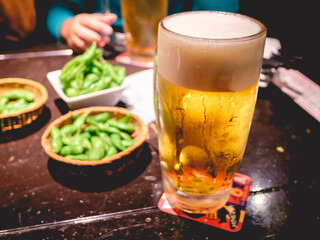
115 7
176 6
216 5
61 10
57 14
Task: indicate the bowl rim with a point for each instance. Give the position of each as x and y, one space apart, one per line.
46 135
32 83
53 78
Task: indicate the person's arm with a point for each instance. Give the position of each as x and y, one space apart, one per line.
84 29
57 15
78 26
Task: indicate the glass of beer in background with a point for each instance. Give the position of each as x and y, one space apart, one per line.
140 22
206 83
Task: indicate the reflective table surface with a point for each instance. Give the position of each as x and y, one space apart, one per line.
39 200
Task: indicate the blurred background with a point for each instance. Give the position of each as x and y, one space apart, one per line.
294 24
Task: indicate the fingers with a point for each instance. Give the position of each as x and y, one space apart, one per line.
98 22
77 44
84 29
105 40
110 18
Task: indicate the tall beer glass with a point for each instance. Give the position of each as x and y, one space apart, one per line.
140 22
206 83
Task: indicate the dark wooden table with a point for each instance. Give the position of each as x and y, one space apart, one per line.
39 201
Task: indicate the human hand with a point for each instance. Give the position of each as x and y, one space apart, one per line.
83 29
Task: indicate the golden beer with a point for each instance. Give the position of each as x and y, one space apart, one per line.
140 21
206 87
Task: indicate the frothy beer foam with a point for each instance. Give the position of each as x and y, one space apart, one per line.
210 51
216 26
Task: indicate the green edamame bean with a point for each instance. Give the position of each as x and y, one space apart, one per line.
128 143
129 127
103 83
84 135
98 151
65 150
56 142
101 117
71 92
56 145
108 129
18 94
126 118
125 136
86 144
104 127
88 73
78 64
78 123
20 104
75 83
107 68
95 70
89 89
69 67
112 150
71 149
70 141
92 130
90 53
67 130
118 74
97 64
105 138
98 53
82 157
113 84
3 101
55 132
90 79
75 139
116 141
75 71
8 108
74 116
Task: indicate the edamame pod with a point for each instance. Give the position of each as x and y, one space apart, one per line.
111 151
56 143
129 127
18 94
116 141
101 117
90 79
78 157
71 149
67 130
98 151
126 118
78 123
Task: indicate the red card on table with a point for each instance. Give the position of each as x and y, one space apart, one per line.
230 217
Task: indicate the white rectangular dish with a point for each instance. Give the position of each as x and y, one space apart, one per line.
106 97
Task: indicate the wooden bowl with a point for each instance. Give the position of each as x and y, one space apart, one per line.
116 162
18 119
